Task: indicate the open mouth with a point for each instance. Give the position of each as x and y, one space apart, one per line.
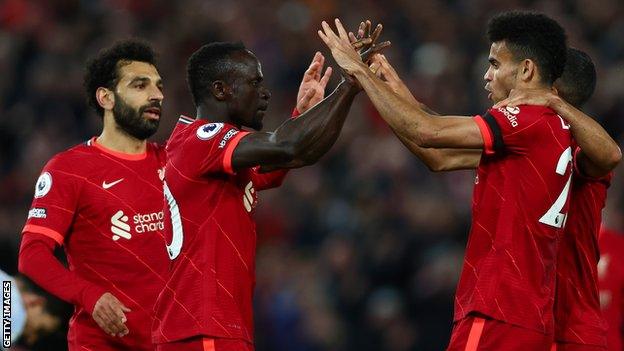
152 113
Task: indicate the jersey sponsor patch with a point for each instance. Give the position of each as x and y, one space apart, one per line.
226 137
37 212
207 131
44 184
511 113
121 225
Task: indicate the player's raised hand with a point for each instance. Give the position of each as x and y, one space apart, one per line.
109 314
340 45
312 87
540 97
385 71
366 42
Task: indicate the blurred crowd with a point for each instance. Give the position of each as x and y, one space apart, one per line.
361 251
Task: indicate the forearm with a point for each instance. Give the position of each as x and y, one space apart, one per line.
443 160
37 261
403 115
314 132
596 144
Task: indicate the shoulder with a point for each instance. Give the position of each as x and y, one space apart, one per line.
71 158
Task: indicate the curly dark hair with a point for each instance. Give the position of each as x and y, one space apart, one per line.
209 63
103 69
578 81
531 35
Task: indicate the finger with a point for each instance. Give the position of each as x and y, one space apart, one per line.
311 71
116 317
321 62
374 50
352 37
376 33
328 31
390 71
124 308
326 76
382 46
361 30
110 321
368 28
342 33
361 43
501 103
102 322
323 37
307 97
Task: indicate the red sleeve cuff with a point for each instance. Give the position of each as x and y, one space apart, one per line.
229 151
295 113
90 297
50 233
486 133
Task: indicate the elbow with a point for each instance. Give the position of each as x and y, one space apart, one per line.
614 158
437 167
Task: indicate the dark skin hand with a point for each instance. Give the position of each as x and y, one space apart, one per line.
109 314
302 141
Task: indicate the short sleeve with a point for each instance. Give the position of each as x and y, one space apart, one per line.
209 147
508 129
263 181
54 203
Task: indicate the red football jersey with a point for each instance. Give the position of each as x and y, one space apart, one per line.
105 208
578 318
519 205
611 282
211 235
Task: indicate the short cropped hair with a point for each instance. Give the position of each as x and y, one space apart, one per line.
531 35
103 69
578 81
209 63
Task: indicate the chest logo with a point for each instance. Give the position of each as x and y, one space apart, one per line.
119 226
106 185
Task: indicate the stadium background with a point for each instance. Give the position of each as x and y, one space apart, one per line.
361 251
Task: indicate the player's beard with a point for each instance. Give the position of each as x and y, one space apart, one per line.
132 122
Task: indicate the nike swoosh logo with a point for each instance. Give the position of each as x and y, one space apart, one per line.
108 185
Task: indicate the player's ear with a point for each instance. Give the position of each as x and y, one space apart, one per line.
105 98
220 90
527 70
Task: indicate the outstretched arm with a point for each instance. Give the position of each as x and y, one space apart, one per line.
599 152
406 118
437 160
302 141
287 145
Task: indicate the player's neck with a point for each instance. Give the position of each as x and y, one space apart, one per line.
213 112
115 139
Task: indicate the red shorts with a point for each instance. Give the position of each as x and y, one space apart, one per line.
206 344
474 333
576 347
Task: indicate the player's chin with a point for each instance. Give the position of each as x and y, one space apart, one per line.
258 122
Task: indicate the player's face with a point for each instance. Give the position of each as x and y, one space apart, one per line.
500 77
250 98
138 100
